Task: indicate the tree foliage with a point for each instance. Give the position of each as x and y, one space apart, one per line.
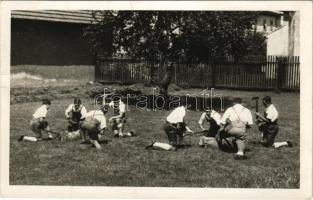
195 36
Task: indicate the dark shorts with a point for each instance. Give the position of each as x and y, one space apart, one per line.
173 132
36 126
74 125
270 131
91 127
227 144
211 132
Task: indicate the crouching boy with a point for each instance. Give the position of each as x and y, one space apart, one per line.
119 118
234 123
212 118
174 127
75 114
94 126
39 123
268 125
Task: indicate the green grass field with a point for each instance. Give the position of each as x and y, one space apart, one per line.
125 162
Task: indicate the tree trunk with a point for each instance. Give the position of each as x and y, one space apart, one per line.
165 82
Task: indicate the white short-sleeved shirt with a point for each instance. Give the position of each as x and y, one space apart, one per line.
121 107
99 115
233 112
41 112
271 113
71 108
214 115
177 115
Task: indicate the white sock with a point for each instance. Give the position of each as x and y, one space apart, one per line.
30 138
96 143
162 145
280 144
240 153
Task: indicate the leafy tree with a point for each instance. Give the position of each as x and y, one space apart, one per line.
192 36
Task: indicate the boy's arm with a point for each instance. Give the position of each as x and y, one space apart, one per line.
261 117
83 112
201 121
67 111
186 127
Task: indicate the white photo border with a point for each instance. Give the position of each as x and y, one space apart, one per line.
305 190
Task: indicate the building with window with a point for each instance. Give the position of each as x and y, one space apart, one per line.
281 29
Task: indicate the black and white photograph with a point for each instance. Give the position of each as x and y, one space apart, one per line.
137 98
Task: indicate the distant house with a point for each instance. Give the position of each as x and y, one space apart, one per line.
282 32
51 37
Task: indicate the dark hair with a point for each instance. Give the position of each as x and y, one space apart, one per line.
267 99
237 100
46 102
116 98
77 100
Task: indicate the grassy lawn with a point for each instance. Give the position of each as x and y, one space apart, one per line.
125 162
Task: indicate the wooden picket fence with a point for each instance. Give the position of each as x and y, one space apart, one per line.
271 72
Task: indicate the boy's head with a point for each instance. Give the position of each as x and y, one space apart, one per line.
208 111
47 103
77 103
237 100
116 99
267 100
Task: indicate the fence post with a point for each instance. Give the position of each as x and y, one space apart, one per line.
281 63
213 74
96 77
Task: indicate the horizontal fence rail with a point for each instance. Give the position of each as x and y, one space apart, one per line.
271 72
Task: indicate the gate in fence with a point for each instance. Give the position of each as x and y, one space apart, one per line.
271 72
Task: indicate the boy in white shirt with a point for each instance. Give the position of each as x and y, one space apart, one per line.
119 118
213 119
235 122
75 113
39 123
94 125
174 128
268 125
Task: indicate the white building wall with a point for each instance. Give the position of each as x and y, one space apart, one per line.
277 42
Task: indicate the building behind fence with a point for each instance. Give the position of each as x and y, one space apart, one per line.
268 73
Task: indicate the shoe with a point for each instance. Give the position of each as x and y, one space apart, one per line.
20 138
202 146
240 157
150 145
116 136
289 144
133 133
